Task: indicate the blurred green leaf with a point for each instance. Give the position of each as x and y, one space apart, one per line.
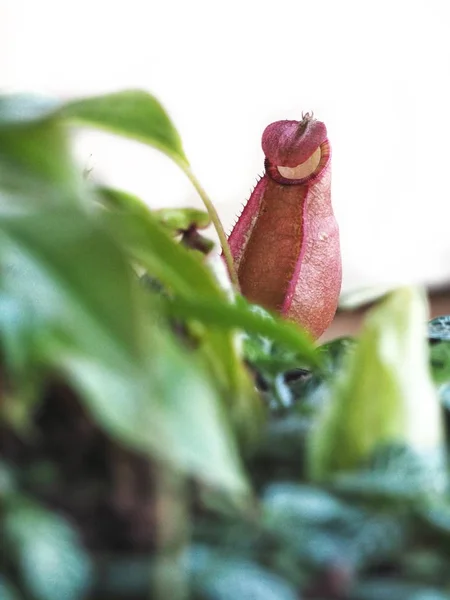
152 247
52 561
385 395
263 352
219 577
229 316
88 318
120 200
132 113
36 156
183 274
77 285
296 505
394 474
138 115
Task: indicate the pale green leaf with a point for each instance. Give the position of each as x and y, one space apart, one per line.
385 395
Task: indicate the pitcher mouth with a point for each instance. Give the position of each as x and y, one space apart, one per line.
304 172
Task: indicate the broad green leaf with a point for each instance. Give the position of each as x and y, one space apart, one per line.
53 564
138 115
385 395
88 318
49 256
73 280
132 113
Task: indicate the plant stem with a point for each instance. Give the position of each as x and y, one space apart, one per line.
217 225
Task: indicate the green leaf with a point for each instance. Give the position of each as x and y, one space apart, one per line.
152 247
52 562
173 220
71 277
37 157
187 277
385 395
395 474
83 314
228 316
119 200
138 115
219 577
133 113
294 505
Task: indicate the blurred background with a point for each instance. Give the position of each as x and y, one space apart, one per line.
377 73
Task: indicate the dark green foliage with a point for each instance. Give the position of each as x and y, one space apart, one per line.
155 428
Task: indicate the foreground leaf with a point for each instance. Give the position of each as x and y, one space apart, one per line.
138 115
82 314
34 152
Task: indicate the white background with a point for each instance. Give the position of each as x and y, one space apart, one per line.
376 72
